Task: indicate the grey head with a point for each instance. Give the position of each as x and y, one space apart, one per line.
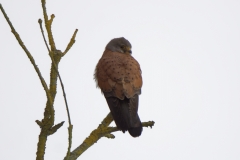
121 45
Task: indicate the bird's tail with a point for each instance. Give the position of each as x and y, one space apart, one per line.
125 114
135 130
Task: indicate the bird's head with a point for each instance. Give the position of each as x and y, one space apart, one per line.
121 45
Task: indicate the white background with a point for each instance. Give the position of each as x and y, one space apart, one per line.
189 52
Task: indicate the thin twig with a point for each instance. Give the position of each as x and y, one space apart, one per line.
40 24
64 95
48 25
72 41
69 142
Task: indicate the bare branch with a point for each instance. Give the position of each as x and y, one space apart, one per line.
55 56
94 136
29 56
48 24
69 142
39 123
72 41
49 111
55 66
63 90
40 24
55 128
102 131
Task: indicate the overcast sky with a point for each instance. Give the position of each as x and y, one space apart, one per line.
189 52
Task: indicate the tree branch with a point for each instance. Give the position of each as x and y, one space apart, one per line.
56 56
29 56
45 125
72 41
48 24
102 131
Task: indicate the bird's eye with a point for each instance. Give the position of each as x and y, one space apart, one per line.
122 46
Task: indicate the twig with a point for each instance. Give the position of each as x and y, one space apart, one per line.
72 41
40 24
48 25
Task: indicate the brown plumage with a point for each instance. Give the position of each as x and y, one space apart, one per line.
118 75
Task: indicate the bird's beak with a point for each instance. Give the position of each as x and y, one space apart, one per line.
128 49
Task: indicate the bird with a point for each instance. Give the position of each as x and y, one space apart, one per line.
119 77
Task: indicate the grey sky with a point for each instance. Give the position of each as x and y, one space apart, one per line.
189 52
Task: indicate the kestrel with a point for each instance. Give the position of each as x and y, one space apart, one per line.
118 75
